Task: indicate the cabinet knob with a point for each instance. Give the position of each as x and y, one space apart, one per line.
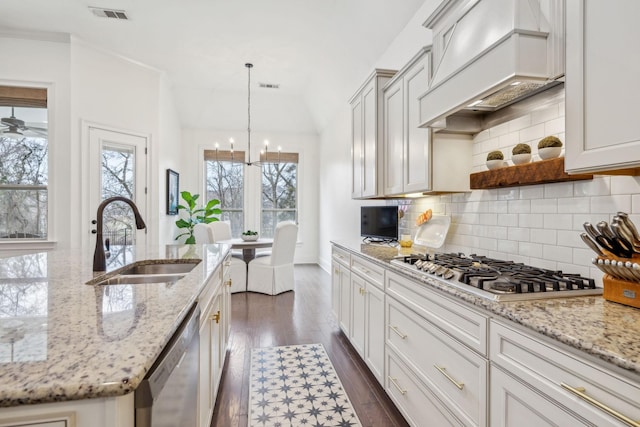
228 282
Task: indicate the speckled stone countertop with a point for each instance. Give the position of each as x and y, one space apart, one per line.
61 339
600 328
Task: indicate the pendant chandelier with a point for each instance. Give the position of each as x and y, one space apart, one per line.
264 152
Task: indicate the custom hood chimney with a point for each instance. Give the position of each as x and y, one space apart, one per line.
488 54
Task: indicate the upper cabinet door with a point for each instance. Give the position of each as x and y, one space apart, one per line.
602 85
393 138
366 136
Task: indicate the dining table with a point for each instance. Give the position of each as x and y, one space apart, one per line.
248 246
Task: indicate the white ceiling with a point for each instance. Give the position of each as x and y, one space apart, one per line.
317 50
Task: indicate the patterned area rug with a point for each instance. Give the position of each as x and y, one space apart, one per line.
297 385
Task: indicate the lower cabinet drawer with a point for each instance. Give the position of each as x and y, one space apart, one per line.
418 405
455 373
596 394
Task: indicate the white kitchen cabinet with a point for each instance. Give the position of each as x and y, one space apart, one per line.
367 314
214 302
447 368
515 404
51 420
366 136
406 146
602 87
578 391
418 160
341 288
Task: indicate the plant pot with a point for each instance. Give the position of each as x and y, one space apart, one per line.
520 159
549 152
496 164
249 238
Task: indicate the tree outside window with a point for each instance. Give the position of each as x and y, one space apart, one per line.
23 188
279 191
224 180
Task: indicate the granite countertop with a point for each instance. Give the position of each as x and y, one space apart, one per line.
606 330
61 339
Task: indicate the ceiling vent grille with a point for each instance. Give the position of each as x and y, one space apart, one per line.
269 85
109 13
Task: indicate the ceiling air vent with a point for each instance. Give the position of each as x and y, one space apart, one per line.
269 85
109 13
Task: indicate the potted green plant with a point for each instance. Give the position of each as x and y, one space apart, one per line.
196 215
249 236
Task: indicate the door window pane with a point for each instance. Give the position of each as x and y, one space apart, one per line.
118 179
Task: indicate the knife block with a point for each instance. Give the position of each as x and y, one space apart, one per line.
621 291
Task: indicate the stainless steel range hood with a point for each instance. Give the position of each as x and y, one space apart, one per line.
488 54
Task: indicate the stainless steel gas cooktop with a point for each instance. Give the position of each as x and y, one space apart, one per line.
496 279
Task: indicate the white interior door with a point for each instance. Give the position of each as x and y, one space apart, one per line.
118 168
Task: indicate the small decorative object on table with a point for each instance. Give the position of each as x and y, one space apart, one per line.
521 154
549 147
249 236
495 160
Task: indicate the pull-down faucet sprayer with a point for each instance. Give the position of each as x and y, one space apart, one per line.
99 261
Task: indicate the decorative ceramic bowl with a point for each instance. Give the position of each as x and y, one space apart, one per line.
496 164
520 159
549 152
249 237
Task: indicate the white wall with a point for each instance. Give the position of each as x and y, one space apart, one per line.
90 85
341 215
45 63
195 141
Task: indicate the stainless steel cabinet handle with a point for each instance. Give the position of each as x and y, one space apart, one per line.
400 389
444 372
580 392
397 331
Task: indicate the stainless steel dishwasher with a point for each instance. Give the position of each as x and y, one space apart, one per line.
168 395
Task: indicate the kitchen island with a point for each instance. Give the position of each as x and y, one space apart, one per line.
64 340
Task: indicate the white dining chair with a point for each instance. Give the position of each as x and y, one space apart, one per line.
204 234
222 231
273 274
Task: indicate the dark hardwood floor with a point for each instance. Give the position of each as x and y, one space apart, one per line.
299 317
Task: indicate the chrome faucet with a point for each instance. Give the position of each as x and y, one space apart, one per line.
99 260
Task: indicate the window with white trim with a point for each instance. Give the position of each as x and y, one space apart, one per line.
224 180
279 195
24 197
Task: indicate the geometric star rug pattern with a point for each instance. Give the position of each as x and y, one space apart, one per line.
296 385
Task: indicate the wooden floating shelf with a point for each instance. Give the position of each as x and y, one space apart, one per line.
540 172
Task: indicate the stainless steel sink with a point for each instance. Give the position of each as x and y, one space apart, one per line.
164 268
123 279
169 271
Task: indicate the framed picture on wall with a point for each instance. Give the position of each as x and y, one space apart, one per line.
173 192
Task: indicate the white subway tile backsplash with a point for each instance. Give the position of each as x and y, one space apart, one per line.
625 184
543 206
519 206
554 127
549 237
574 205
540 224
532 192
530 221
545 114
598 186
499 130
570 238
511 193
535 132
508 246
521 122
519 234
558 189
557 253
558 221
529 249
610 204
